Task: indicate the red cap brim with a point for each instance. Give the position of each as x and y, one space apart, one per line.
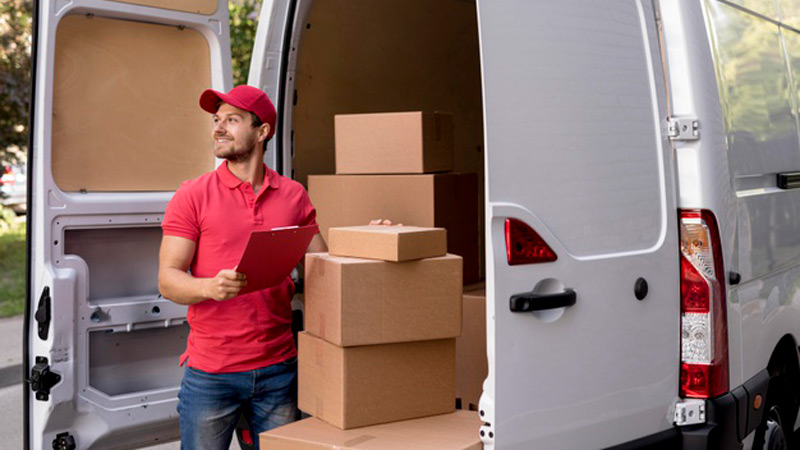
211 99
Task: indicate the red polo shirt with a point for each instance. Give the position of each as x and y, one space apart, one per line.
217 211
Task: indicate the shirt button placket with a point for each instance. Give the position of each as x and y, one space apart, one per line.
250 200
257 219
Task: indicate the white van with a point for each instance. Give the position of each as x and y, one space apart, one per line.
652 145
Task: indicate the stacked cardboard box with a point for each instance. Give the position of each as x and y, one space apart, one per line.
380 335
472 365
396 166
456 431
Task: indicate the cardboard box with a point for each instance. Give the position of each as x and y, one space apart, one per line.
407 142
353 301
359 386
395 243
447 201
472 366
455 431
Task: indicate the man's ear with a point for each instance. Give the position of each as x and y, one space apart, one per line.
263 132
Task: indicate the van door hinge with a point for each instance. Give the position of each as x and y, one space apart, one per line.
42 315
64 441
683 128
42 379
690 412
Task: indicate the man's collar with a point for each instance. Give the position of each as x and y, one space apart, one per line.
229 179
271 177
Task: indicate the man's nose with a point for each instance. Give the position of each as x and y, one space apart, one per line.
219 127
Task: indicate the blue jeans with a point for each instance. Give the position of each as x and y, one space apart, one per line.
209 404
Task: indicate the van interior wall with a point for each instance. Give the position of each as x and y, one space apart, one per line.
365 56
125 114
123 277
118 356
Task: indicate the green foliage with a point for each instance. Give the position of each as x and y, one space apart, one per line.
244 20
12 263
15 62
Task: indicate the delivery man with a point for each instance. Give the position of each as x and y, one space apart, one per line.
240 356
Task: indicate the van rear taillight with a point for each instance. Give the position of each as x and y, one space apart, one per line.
525 246
704 330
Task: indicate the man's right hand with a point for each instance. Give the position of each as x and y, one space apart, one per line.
385 222
225 285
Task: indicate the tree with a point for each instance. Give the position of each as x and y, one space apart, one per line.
244 21
15 64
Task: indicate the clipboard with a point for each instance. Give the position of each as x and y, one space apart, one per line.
271 255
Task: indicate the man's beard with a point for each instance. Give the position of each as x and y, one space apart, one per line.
237 153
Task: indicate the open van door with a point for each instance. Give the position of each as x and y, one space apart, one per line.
274 45
116 127
583 320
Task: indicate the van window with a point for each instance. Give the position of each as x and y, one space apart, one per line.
755 91
766 8
758 98
790 13
113 131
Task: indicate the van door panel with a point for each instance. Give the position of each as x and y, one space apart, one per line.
125 115
116 129
575 109
206 7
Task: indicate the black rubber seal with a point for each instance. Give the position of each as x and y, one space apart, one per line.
29 212
280 120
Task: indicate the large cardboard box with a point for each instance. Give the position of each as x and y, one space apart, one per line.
472 366
395 243
353 301
455 431
407 142
447 200
359 386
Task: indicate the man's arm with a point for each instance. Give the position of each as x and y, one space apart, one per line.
317 245
177 285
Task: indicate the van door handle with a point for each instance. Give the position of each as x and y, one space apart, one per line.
529 301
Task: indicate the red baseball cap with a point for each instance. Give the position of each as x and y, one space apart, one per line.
243 97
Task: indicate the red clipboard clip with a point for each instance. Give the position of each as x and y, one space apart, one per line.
271 255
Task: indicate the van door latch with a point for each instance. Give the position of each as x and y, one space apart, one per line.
42 379
683 128
64 441
42 315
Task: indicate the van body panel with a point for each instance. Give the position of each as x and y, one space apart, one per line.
94 240
574 113
704 180
762 137
741 97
